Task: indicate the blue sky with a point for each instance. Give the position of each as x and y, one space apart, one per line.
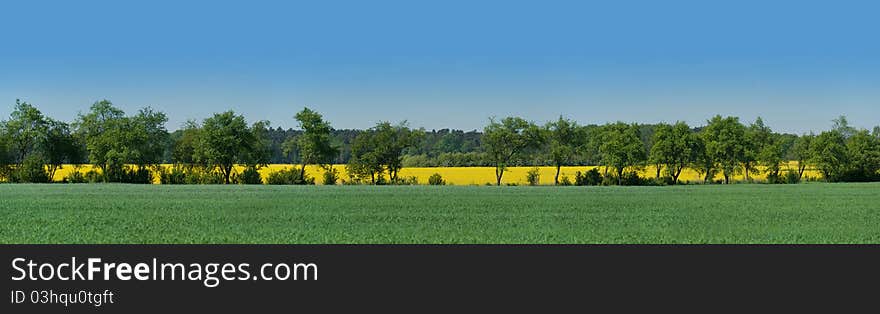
439 64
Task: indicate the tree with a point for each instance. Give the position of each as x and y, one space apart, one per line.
224 140
863 155
757 138
60 146
829 154
565 138
103 132
621 147
314 144
5 155
24 130
366 160
842 126
725 144
147 138
705 164
184 143
507 139
771 157
801 151
382 148
675 147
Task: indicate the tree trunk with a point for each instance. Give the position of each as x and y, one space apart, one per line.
302 174
676 175
659 167
620 176
747 170
227 171
556 179
498 174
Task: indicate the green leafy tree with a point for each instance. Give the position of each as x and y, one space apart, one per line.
705 164
366 160
103 130
863 152
5 154
725 140
507 139
315 144
184 145
621 148
771 156
382 148
828 153
60 146
758 137
392 141
801 152
224 140
25 130
841 125
564 138
260 146
146 137
675 147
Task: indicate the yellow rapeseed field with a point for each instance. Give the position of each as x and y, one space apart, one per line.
466 175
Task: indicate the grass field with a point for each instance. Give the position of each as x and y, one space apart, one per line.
748 213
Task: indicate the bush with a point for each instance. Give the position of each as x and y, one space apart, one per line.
137 176
290 176
590 177
664 180
250 175
436 179
533 176
75 177
331 176
411 180
93 176
792 177
32 170
175 175
565 181
206 177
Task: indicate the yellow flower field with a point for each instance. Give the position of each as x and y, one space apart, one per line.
466 175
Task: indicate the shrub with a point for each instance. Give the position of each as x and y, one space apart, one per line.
32 170
137 176
590 177
565 181
175 175
436 179
533 176
792 177
664 180
289 177
75 177
93 176
250 175
210 177
331 176
411 180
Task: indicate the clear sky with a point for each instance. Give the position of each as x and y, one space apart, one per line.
449 64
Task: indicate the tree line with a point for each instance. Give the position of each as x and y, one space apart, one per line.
131 148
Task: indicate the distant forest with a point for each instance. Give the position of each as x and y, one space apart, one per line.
448 148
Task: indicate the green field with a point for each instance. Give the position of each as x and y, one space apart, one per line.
748 213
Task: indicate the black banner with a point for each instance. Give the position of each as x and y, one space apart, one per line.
424 277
